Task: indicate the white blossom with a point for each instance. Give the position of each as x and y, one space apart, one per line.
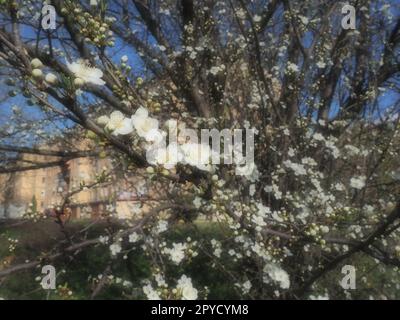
187 289
134 237
115 248
297 168
276 273
197 202
103 239
292 67
119 124
177 252
145 126
358 182
257 18
150 293
162 226
83 71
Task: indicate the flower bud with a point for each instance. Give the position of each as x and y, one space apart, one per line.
51 78
139 81
36 63
103 120
37 73
150 170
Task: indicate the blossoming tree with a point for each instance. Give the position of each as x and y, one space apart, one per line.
322 100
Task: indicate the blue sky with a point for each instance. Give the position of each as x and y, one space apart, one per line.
33 113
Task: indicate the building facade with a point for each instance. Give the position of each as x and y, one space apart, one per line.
44 189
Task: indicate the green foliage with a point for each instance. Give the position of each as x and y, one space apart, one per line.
88 264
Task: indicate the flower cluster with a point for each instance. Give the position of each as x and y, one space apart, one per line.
158 153
184 289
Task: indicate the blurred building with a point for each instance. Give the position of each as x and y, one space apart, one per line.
45 189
